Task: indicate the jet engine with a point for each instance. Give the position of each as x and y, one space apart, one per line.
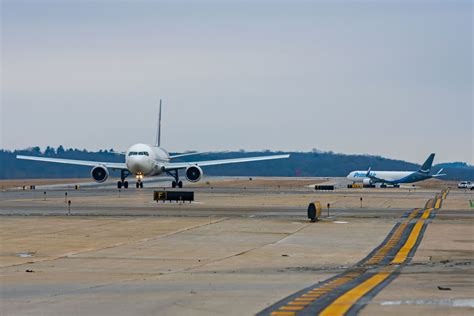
367 181
193 173
99 174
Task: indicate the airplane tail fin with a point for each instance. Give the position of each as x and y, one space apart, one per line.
426 166
368 172
158 132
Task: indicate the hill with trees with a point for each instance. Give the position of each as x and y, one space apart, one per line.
302 164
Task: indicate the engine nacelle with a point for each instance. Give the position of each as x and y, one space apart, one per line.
99 174
193 173
367 181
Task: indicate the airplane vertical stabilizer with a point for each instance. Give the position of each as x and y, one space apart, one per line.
426 166
158 132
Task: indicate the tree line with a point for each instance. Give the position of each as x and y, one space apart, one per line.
301 164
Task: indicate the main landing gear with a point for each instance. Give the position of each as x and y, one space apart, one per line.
122 182
176 182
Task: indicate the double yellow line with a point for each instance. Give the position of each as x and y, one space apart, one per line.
411 241
347 300
342 304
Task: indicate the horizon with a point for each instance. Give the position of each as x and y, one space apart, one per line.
314 150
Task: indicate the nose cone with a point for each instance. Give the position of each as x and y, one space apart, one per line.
137 164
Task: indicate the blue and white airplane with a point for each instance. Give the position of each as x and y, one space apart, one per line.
394 178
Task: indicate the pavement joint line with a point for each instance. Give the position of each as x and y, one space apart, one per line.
72 255
355 285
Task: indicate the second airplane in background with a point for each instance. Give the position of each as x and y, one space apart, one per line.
150 160
394 178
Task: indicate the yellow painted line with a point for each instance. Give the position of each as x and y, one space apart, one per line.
380 254
341 305
405 250
282 313
339 282
426 213
291 308
300 303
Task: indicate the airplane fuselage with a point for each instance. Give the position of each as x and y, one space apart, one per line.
389 177
146 160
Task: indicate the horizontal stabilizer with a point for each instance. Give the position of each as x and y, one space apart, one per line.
439 174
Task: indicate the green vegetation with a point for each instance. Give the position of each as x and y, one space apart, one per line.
301 164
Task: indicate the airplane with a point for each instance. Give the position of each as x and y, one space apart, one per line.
394 178
150 160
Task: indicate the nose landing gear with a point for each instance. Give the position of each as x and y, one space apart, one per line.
122 183
139 183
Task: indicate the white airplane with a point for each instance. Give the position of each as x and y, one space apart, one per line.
149 160
395 177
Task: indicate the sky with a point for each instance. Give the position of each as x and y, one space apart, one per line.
389 78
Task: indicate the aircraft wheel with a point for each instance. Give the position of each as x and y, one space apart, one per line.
141 185
125 184
119 185
137 185
173 184
180 184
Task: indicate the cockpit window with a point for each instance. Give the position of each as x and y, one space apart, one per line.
138 153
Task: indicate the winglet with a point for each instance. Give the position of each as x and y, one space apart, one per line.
426 166
158 133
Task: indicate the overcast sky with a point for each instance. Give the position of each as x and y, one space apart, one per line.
391 78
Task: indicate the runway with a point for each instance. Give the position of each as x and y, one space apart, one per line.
242 248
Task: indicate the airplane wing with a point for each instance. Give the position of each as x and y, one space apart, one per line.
111 165
182 165
188 154
373 178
